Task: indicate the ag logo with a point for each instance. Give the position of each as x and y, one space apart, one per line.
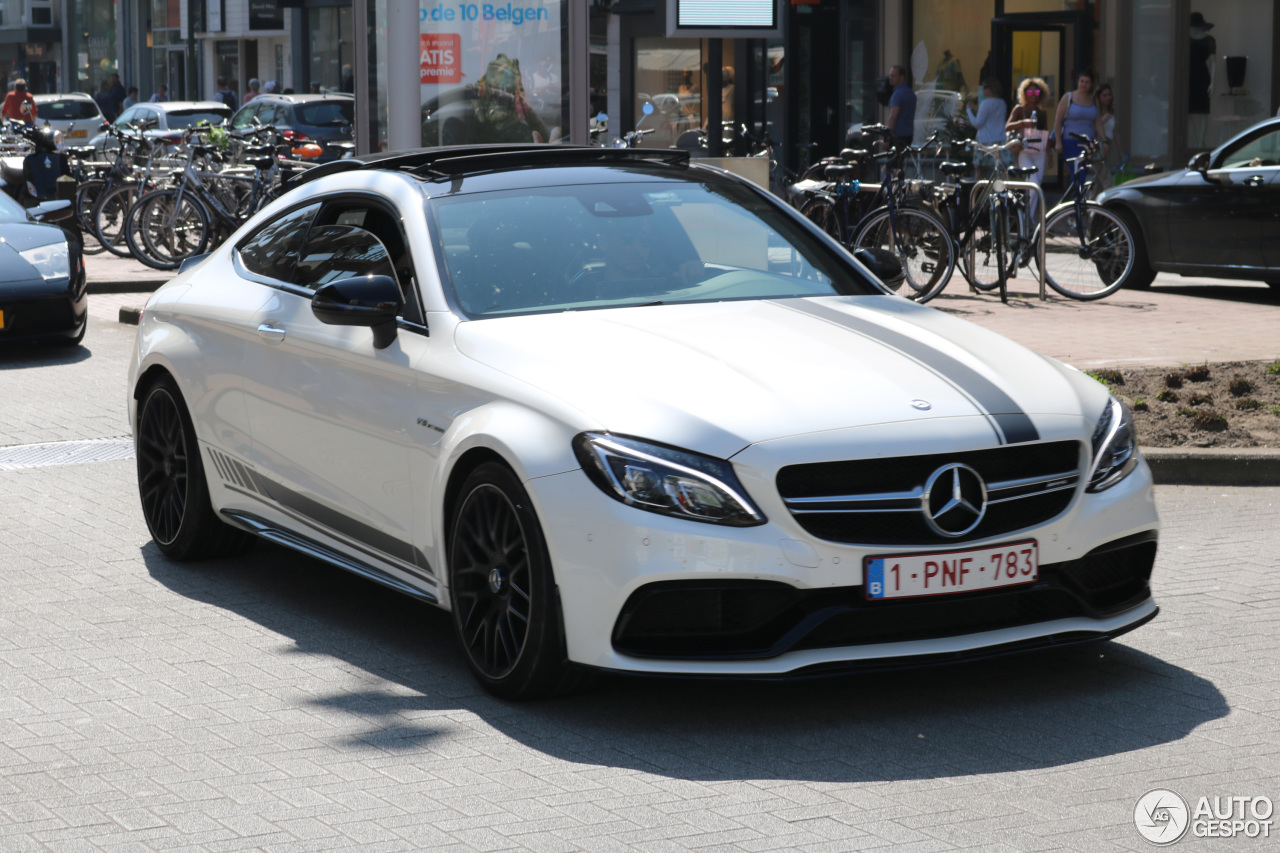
1161 816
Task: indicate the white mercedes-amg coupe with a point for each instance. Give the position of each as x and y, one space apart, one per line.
620 411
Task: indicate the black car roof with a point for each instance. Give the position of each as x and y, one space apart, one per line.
447 161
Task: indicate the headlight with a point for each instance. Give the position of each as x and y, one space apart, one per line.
51 261
665 480
1115 447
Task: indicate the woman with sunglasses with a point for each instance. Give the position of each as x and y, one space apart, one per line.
1029 120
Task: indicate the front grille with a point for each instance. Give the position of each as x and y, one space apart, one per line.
763 619
878 501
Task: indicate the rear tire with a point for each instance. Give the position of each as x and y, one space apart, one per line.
923 245
172 484
505 605
110 212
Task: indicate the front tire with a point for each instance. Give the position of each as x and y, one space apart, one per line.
171 481
1142 275
505 605
1091 267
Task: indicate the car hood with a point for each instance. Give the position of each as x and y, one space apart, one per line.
717 377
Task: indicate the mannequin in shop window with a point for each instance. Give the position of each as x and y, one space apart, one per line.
1200 88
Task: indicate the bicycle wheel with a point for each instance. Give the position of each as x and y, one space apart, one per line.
822 211
163 231
109 215
919 241
1087 257
1000 243
87 194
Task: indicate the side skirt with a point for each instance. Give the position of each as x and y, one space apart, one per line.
265 529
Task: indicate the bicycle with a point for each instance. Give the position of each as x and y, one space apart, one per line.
988 221
1088 250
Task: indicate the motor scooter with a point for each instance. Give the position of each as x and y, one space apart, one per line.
33 178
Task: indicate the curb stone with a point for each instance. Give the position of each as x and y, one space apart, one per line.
1214 466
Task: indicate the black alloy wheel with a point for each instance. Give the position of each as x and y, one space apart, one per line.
502 590
171 481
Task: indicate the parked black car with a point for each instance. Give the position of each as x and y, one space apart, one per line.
1218 217
43 295
322 119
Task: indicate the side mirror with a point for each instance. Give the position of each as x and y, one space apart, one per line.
884 265
50 211
1200 163
372 301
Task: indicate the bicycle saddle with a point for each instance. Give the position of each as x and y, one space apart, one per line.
1019 172
260 162
855 155
837 173
258 150
951 167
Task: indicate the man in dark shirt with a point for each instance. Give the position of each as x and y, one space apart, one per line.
902 107
117 94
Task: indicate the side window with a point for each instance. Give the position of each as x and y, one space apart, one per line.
149 118
244 118
335 252
273 249
1263 151
126 116
383 224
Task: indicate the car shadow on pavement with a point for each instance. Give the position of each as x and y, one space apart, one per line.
1006 714
21 356
1249 293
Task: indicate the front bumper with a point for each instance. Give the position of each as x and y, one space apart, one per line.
796 603
43 310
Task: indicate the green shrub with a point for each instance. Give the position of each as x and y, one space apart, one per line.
1168 395
1210 420
1173 380
1248 403
1107 376
1200 400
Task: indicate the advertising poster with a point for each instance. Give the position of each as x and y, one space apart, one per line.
492 72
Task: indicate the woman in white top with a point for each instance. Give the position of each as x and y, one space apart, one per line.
1105 99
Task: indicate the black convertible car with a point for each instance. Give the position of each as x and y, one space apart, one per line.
43 295
1218 217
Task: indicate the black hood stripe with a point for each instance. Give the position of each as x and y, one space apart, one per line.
1012 425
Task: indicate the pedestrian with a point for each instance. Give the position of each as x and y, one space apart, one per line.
270 87
118 94
902 108
1028 119
1105 99
1077 113
131 97
989 120
253 92
161 95
19 104
225 94
103 99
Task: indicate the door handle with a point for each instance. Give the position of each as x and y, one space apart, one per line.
271 333
1254 181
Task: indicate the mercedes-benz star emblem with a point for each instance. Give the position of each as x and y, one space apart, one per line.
954 500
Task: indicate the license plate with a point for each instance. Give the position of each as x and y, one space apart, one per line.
949 572
77 134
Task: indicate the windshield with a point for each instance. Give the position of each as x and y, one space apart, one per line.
618 244
326 113
68 110
10 210
182 119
